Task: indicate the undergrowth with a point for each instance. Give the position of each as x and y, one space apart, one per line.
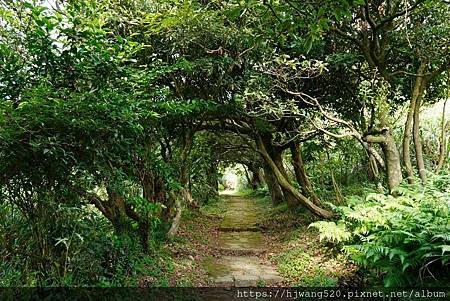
296 250
405 239
77 247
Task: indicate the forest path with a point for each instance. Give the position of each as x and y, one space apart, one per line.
240 240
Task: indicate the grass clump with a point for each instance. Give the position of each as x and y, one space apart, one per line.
302 269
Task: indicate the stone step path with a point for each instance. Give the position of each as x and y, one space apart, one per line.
240 239
246 241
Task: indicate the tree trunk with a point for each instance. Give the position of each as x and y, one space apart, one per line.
255 182
393 167
418 141
147 182
213 179
115 212
442 142
284 183
278 194
274 188
176 220
374 173
392 157
300 173
258 178
120 214
372 169
247 176
153 187
144 232
416 95
336 187
188 139
277 157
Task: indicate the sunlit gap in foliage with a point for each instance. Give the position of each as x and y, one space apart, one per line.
233 179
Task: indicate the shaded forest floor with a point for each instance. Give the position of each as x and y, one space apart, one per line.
286 244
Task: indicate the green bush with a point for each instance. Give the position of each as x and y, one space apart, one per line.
63 245
406 238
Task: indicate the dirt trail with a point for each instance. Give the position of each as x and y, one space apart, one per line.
240 241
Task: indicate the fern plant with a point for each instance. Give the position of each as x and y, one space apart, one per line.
407 238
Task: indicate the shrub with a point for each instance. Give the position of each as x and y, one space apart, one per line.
63 245
406 238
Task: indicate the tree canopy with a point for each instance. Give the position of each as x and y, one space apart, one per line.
131 110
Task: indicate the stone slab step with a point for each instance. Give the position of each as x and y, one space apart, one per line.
239 229
245 271
241 241
249 252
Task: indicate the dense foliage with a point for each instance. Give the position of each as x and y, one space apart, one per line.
406 238
117 116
